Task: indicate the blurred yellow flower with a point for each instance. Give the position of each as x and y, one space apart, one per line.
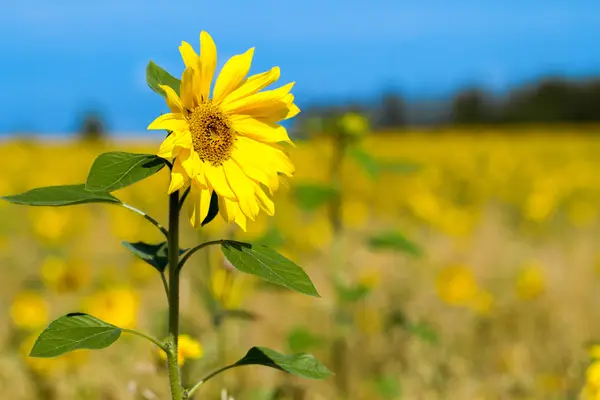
29 310
141 272
354 124
50 224
118 306
530 282
62 276
369 320
594 351
456 285
482 302
370 278
592 375
229 287
189 348
355 213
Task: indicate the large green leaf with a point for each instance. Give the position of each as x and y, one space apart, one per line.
395 241
154 254
74 331
156 76
116 170
269 265
57 196
303 365
312 196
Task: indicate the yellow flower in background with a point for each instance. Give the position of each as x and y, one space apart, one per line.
189 348
456 285
369 320
118 306
594 351
355 213
50 224
64 277
592 375
354 124
530 282
370 278
482 302
29 310
229 287
140 271
227 143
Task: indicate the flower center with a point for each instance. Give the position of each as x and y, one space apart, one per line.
212 136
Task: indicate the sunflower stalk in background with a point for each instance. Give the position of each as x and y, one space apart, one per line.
225 156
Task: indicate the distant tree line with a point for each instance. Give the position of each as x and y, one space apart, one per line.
551 100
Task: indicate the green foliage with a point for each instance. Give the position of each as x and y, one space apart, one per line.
66 195
312 196
156 76
351 293
373 167
395 241
74 331
388 387
303 365
116 170
269 265
154 254
301 339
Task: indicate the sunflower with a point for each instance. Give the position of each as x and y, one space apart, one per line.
228 143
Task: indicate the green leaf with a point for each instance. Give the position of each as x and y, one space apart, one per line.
367 162
116 170
74 331
269 265
300 339
57 196
303 365
213 209
154 254
388 387
156 76
395 241
311 196
351 294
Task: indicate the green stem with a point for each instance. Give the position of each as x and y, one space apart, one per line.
195 249
149 218
150 338
165 284
173 253
191 391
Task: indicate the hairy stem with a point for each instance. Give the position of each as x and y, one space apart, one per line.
190 392
147 337
195 249
173 253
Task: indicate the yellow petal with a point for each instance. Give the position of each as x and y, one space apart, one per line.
258 129
272 100
241 219
215 178
250 164
254 84
174 143
227 209
264 201
171 121
197 207
178 177
271 156
293 110
232 75
242 187
189 55
172 99
187 89
191 162
208 61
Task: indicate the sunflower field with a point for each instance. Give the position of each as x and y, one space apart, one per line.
455 264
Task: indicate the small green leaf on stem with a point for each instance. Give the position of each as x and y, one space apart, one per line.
74 331
302 364
395 241
117 169
57 196
269 265
154 254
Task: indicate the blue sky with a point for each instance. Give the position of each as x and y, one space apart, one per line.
60 58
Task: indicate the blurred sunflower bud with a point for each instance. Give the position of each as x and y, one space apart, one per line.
353 124
456 285
64 276
118 306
